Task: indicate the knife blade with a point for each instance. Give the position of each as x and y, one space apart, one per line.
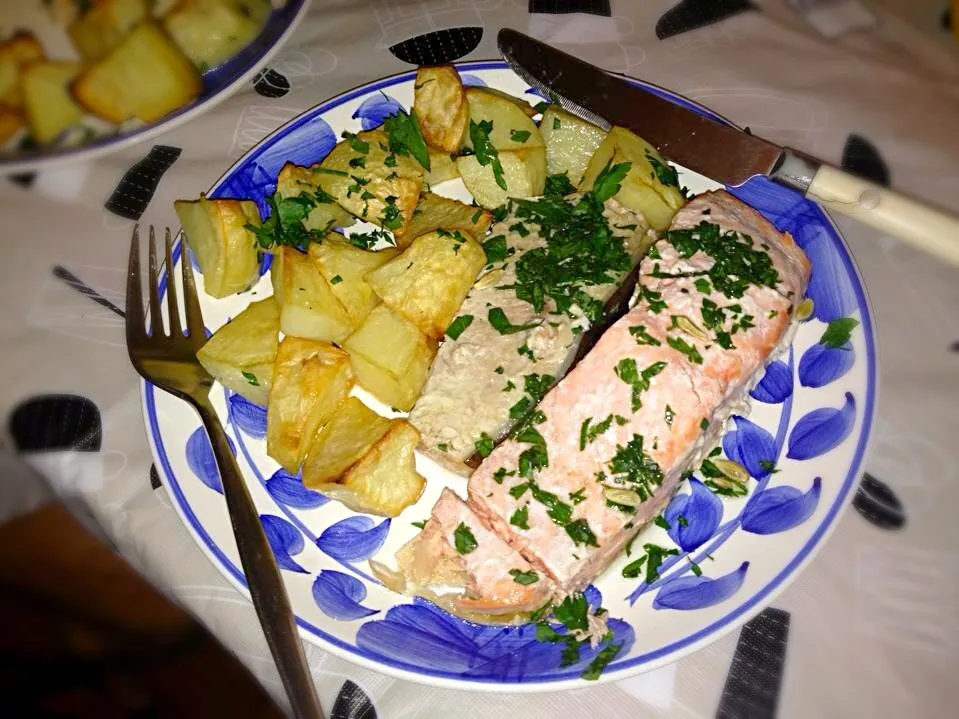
721 151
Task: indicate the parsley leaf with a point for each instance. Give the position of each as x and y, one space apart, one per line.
681 345
496 249
463 539
251 378
605 655
406 138
486 154
519 135
610 180
524 578
284 226
838 332
642 336
580 533
484 445
500 322
520 518
458 326
558 186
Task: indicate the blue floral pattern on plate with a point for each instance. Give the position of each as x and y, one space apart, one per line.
802 446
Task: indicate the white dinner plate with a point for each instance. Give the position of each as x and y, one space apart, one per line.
811 417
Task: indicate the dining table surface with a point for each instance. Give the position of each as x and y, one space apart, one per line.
870 627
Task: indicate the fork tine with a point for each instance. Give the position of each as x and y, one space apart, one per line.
134 307
156 312
173 307
194 317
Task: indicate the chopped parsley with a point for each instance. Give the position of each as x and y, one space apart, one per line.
443 447
653 299
578 496
484 445
556 123
525 351
486 154
335 280
519 135
524 578
588 433
558 186
627 371
580 533
284 225
556 509
251 378
392 217
405 137
500 322
502 473
609 180
458 326
704 424
643 337
463 539
838 332
653 559
420 524
669 415
666 173
369 240
661 522
356 144
496 249
631 465
599 662
520 517
681 345
499 370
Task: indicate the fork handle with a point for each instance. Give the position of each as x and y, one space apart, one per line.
263 576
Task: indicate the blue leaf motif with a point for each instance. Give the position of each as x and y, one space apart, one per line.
353 539
821 365
266 262
776 385
199 457
288 489
285 541
594 598
375 109
694 517
822 430
471 80
781 508
306 144
829 286
248 416
699 592
751 446
339 595
537 92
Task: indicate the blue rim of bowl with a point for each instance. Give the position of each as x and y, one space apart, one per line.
219 83
616 670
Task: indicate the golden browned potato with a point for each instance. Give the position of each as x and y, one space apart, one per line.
509 127
294 180
210 31
349 434
439 102
524 174
642 189
308 306
436 212
241 353
11 120
570 143
224 248
146 76
343 266
18 51
50 108
429 280
442 168
388 339
310 381
370 182
527 109
101 28
398 391
385 480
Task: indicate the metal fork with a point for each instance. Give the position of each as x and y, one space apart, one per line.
169 362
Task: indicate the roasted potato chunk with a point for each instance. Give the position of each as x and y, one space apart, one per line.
436 212
241 353
10 122
210 31
398 391
429 280
310 380
510 127
442 168
570 143
344 266
101 28
385 480
643 189
357 176
294 180
18 51
146 76
224 248
524 174
308 306
349 434
439 102
50 108
389 340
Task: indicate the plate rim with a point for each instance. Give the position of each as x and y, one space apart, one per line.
617 671
75 155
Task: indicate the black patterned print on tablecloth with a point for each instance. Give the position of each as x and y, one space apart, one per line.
155 482
438 47
71 280
56 422
270 83
133 194
756 673
861 158
557 7
25 179
692 14
947 19
352 703
878 504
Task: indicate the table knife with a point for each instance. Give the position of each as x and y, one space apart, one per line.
722 152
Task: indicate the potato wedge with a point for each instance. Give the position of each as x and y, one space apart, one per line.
642 189
241 353
439 102
308 306
101 28
511 128
349 434
310 381
50 108
18 51
146 76
398 391
524 172
389 340
385 480
344 266
225 249
522 104
294 180
570 143
210 31
11 120
442 168
429 280
436 212
368 181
